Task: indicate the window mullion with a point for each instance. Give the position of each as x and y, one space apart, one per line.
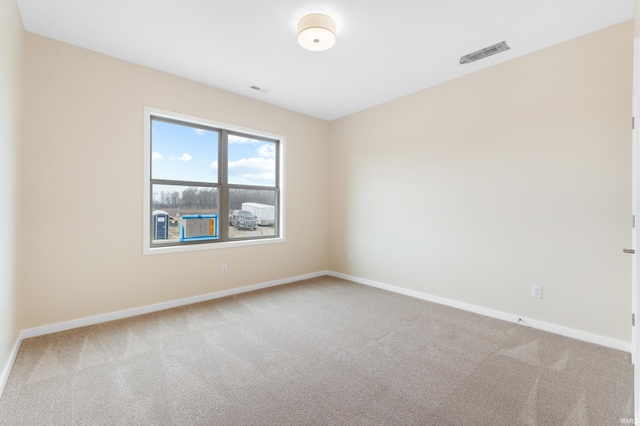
223 211
184 183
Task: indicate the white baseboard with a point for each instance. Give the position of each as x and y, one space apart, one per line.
541 325
68 325
4 375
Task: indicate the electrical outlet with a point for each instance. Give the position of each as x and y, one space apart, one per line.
224 269
536 291
350 258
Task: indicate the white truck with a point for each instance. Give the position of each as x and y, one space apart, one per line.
264 213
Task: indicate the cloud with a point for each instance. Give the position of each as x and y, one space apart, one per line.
253 171
214 166
199 131
156 156
240 139
184 157
267 150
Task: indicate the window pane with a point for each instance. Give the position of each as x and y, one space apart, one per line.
252 213
171 203
181 152
251 161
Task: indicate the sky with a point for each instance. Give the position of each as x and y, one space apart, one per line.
186 153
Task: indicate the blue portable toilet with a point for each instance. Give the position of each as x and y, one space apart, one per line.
160 225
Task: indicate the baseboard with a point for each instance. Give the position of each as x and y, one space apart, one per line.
4 375
68 325
541 325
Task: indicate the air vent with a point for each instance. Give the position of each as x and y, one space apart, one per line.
258 88
483 53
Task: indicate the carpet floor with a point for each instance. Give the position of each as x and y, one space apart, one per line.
318 352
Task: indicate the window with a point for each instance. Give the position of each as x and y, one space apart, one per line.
208 184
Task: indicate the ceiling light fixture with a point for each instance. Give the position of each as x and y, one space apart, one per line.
316 32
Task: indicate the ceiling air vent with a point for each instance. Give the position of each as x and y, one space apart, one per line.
258 88
483 53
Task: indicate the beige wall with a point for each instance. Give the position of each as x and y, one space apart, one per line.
480 187
82 179
11 49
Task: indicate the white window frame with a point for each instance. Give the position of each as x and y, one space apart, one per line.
146 178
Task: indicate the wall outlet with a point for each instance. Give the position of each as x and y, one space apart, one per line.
224 269
536 291
350 258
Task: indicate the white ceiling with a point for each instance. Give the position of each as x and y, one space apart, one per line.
384 50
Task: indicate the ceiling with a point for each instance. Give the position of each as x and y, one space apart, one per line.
384 50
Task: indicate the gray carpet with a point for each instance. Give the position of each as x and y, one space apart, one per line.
318 352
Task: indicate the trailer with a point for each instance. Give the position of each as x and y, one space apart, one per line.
264 213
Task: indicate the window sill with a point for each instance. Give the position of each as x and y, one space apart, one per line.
211 246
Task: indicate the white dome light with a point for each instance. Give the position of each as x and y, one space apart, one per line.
316 32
